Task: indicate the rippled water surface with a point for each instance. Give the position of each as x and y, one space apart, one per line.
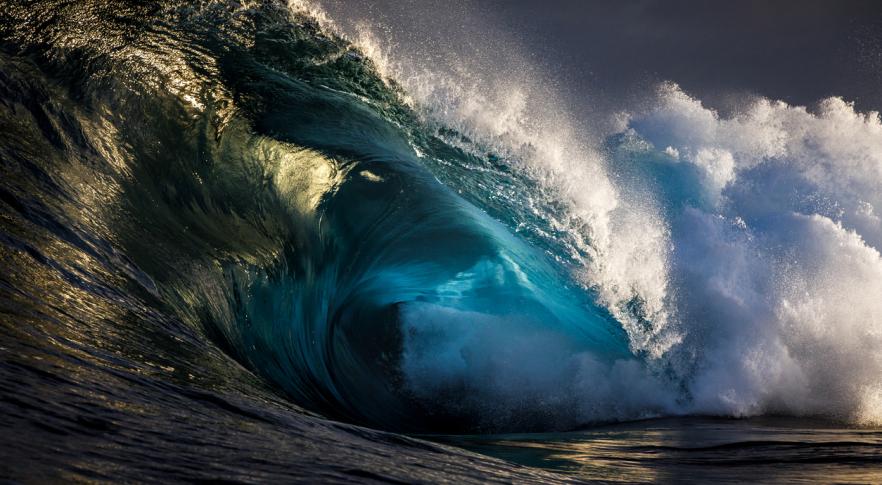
698 450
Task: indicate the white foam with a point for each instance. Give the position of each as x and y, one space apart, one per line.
780 276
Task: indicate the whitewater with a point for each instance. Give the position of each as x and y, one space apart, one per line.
248 234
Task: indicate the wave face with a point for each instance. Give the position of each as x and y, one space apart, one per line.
231 198
239 171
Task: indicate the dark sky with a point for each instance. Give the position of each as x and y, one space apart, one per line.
796 50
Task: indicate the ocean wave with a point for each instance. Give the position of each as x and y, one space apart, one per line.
233 198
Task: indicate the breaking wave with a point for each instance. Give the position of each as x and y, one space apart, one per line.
403 248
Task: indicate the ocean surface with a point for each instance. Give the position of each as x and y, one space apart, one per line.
240 244
696 450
